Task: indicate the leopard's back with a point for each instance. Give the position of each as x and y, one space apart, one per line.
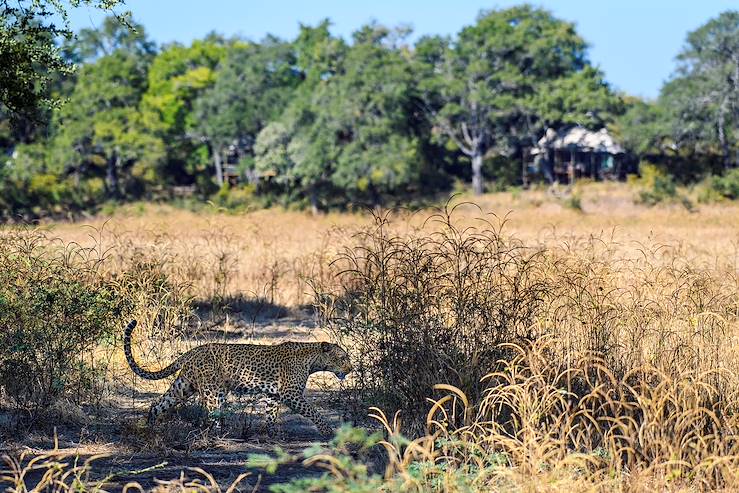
242 366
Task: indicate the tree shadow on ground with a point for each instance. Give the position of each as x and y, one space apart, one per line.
129 451
256 309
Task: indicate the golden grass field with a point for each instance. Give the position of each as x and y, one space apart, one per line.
656 286
268 252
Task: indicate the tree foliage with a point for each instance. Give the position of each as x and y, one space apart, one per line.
492 88
327 122
101 130
351 127
29 56
254 84
704 94
692 129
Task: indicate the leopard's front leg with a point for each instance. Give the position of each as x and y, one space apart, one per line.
296 401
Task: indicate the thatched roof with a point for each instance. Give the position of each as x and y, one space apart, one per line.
580 138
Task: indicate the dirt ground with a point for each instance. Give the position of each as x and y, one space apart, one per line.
126 450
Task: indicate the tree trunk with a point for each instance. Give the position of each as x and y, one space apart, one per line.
111 175
478 187
571 168
723 140
314 201
218 165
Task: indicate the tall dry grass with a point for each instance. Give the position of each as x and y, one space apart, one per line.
646 431
433 304
587 351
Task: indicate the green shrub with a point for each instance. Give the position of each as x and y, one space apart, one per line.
726 186
235 198
55 308
357 461
574 201
705 192
350 450
656 186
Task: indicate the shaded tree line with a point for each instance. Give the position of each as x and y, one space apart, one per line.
692 128
323 121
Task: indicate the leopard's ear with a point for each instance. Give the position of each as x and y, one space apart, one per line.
326 347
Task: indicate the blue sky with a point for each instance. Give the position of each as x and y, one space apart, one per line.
633 41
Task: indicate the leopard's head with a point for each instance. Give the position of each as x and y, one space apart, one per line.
334 359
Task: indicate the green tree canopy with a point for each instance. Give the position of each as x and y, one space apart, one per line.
177 77
253 86
481 89
29 56
101 129
351 128
703 97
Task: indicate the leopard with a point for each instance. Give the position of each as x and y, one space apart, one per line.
278 372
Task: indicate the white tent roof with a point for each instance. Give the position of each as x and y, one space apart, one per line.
600 141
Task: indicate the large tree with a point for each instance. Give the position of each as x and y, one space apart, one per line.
703 96
294 150
177 77
477 88
354 130
582 98
643 128
253 86
101 128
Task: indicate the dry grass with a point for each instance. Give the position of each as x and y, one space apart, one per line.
626 378
65 471
279 248
265 254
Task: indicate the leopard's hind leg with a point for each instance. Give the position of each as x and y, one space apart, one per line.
213 398
180 390
295 400
272 425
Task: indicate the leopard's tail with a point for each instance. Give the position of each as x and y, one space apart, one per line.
149 375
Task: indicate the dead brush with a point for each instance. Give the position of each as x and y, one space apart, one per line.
660 308
55 472
150 275
644 432
431 306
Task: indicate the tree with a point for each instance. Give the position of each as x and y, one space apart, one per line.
643 128
112 36
351 126
295 150
703 96
177 77
29 57
476 87
582 98
102 127
371 110
253 86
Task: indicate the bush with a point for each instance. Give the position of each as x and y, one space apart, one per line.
726 186
55 308
574 201
656 186
235 198
431 307
644 432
